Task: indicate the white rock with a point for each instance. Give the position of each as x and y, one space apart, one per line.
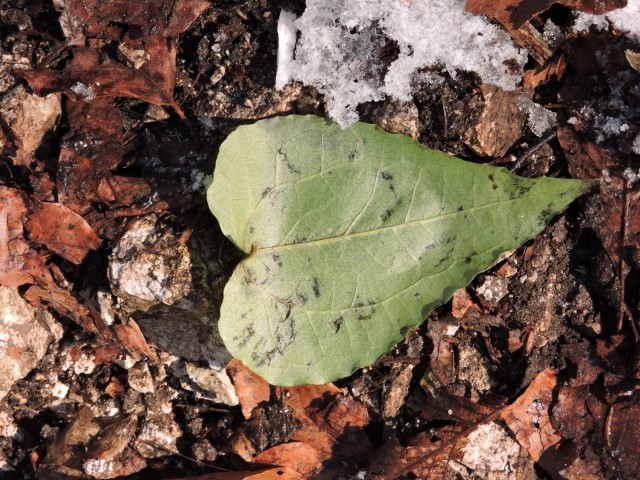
23 339
493 289
494 455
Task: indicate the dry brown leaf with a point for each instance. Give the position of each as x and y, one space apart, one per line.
133 339
17 260
623 436
555 67
515 13
250 387
66 304
93 18
297 456
113 79
528 416
118 191
268 474
589 161
62 231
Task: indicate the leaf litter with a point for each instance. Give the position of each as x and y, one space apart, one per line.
111 158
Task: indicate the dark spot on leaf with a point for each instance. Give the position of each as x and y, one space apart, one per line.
352 155
303 298
460 208
446 257
358 304
521 187
337 323
468 259
404 330
386 175
494 185
266 191
315 285
276 259
363 317
282 157
385 215
251 230
392 188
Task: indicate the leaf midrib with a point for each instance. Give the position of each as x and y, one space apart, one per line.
345 237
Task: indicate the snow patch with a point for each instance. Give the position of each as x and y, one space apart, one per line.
344 49
625 19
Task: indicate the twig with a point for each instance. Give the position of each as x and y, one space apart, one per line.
622 274
522 158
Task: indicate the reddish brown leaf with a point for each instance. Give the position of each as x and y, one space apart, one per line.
92 18
588 161
570 415
19 263
461 302
514 13
250 387
64 303
113 439
555 67
442 361
302 397
62 231
584 356
297 456
133 339
528 416
113 79
15 253
119 191
268 474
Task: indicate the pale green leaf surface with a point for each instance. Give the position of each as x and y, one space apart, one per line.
353 237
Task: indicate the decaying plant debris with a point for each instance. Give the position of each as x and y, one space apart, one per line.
110 119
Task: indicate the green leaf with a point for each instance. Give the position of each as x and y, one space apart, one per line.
353 237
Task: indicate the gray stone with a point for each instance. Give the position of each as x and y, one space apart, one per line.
170 289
